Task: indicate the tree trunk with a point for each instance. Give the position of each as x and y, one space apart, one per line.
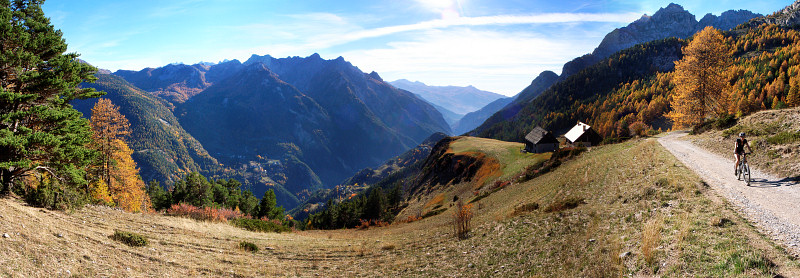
5 179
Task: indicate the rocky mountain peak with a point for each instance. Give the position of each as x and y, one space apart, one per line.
787 17
374 75
670 21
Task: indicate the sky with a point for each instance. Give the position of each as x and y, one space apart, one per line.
498 46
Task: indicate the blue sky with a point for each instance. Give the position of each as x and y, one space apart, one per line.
498 46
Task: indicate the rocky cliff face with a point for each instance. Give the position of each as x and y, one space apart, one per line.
788 17
671 21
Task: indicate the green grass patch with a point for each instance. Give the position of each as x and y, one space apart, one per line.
129 238
507 153
257 225
784 138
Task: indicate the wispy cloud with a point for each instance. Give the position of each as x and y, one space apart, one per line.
550 18
503 62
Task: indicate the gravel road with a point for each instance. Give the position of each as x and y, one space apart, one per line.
771 203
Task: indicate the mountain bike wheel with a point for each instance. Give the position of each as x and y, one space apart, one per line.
739 172
746 173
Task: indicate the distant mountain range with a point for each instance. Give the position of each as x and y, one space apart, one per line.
671 21
455 102
460 100
293 124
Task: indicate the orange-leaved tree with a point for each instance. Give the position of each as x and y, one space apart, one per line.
700 79
117 169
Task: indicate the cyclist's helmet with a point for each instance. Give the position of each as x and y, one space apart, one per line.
741 134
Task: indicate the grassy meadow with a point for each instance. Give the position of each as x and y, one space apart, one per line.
616 210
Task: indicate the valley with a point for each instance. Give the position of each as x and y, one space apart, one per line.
304 166
694 232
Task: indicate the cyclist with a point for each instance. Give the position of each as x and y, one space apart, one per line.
739 151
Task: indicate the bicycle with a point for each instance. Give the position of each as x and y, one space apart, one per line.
744 169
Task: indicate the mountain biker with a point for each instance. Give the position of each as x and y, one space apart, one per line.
741 142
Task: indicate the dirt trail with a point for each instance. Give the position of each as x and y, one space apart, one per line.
771 203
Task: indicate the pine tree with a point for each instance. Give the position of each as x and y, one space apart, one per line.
701 85
39 129
375 205
268 206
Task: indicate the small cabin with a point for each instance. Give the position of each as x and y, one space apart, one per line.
540 140
583 135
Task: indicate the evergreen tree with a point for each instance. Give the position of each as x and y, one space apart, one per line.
158 196
248 203
39 129
375 205
395 196
194 189
268 206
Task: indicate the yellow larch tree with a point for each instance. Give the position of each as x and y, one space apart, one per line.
118 172
700 78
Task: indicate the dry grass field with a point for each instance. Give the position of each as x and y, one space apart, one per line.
617 210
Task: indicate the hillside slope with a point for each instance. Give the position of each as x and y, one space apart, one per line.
163 149
668 22
626 189
293 124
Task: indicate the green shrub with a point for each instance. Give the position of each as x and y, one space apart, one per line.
54 196
434 212
784 138
561 205
129 238
525 208
248 246
662 182
725 121
257 225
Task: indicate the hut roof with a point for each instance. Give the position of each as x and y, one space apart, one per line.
577 131
539 135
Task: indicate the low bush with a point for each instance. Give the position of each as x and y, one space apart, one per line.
525 208
129 238
259 225
248 246
433 212
50 194
365 224
480 196
561 205
462 220
724 122
388 247
205 213
784 138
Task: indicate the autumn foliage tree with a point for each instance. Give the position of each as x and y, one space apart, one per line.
117 170
700 78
